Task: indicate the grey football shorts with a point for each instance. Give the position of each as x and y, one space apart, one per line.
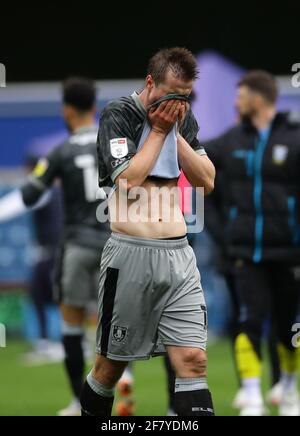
150 297
77 275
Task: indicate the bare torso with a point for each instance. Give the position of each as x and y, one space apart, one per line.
150 211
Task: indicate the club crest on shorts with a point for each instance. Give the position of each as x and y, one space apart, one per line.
119 333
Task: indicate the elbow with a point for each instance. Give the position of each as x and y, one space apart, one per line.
209 187
210 182
128 180
125 185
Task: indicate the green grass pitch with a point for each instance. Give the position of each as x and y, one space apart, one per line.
42 390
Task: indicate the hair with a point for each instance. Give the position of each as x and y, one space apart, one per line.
261 82
80 93
179 60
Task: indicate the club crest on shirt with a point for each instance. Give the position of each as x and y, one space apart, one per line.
280 154
119 333
118 147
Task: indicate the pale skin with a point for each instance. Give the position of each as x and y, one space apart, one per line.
199 170
254 106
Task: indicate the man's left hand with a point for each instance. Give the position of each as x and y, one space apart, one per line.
182 113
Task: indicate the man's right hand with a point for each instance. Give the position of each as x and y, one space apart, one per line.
163 117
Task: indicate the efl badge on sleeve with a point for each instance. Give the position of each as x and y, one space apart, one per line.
118 147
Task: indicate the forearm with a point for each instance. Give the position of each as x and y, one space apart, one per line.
199 170
143 162
13 205
32 192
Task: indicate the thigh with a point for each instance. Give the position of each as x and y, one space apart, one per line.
92 260
75 276
72 315
184 319
130 303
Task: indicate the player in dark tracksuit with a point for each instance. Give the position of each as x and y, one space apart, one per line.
214 219
259 164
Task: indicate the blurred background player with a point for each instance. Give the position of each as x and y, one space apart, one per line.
258 162
76 276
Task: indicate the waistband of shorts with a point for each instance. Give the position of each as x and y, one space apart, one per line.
162 244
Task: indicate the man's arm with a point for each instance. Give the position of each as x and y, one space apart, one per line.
12 205
162 120
34 193
42 177
198 169
143 162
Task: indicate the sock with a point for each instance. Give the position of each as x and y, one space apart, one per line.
74 362
192 397
252 389
96 399
288 360
248 360
289 367
289 381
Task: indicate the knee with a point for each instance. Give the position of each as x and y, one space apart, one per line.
193 363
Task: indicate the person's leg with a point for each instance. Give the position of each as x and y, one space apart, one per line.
97 395
286 297
192 396
273 353
125 387
240 397
72 331
36 290
171 377
73 282
183 330
252 289
124 330
274 394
